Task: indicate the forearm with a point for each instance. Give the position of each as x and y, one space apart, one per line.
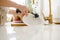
9 4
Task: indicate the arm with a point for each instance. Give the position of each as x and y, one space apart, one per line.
8 3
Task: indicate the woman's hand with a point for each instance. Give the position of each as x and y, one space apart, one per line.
24 11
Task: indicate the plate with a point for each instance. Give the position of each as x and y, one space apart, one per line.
31 20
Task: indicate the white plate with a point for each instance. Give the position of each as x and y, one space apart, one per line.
30 20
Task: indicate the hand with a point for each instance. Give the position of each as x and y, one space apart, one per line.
24 10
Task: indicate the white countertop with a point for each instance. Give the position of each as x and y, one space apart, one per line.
35 32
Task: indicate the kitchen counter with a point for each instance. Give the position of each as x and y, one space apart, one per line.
34 32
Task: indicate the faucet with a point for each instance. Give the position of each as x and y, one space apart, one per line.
50 14
49 18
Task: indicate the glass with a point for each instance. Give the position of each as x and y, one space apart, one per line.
3 17
56 10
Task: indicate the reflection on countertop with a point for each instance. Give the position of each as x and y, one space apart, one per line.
35 32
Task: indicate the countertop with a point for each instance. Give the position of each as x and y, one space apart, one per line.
33 32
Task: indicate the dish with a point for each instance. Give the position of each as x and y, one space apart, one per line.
31 20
